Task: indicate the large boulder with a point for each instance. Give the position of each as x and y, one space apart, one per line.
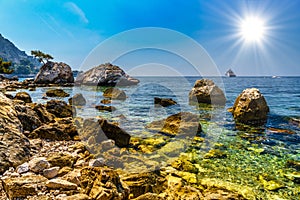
250 107
205 91
183 123
14 146
105 75
54 73
114 93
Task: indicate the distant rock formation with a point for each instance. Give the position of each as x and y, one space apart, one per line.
205 91
250 107
105 75
54 73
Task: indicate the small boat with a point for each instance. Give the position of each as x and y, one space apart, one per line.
275 77
230 73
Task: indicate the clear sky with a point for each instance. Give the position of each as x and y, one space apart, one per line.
253 37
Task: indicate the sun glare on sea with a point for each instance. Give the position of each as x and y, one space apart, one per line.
252 29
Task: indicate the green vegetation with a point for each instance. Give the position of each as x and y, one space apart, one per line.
25 67
5 67
42 57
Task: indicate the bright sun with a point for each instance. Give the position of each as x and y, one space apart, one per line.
252 29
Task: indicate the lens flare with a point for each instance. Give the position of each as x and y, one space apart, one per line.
252 29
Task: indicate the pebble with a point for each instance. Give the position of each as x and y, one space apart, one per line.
38 164
51 172
23 168
60 184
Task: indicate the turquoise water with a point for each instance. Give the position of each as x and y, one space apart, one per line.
254 156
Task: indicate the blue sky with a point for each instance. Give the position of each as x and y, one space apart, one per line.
70 30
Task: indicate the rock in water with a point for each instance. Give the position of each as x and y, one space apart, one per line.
105 75
14 146
105 108
164 102
114 93
24 96
57 93
55 73
205 91
77 100
250 107
183 123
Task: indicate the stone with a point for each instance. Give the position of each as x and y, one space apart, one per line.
54 73
105 108
23 168
60 108
56 93
105 101
64 170
24 186
61 159
73 176
99 162
60 184
105 75
183 123
61 129
51 172
102 183
205 91
77 100
28 117
78 197
24 96
38 164
14 146
114 93
43 114
164 102
250 108
114 132
149 196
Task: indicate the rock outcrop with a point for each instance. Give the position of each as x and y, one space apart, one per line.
105 75
250 107
60 108
164 102
183 123
205 91
56 93
114 93
14 146
24 96
54 73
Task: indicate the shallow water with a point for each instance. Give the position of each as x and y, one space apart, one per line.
251 154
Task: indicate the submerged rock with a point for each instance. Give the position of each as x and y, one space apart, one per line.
105 108
56 93
14 146
250 108
205 91
77 100
114 93
105 75
24 96
183 123
164 102
54 73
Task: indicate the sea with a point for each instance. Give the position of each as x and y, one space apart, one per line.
265 159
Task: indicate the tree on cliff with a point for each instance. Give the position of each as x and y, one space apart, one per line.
4 67
42 57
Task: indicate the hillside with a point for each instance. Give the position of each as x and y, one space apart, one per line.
21 62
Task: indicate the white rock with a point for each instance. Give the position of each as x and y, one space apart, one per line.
23 168
60 184
51 172
99 162
38 164
107 144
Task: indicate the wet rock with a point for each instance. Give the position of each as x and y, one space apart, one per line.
60 184
164 102
61 159
56 73
23 186
24 96
250 108
105 75
270 185
38 164
293 164
60 108
102 183
215 153
77 100
114 93
295 121
105 101
51 172
205 91
183 123
28 117
14 146
105 108
57 93
61 129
